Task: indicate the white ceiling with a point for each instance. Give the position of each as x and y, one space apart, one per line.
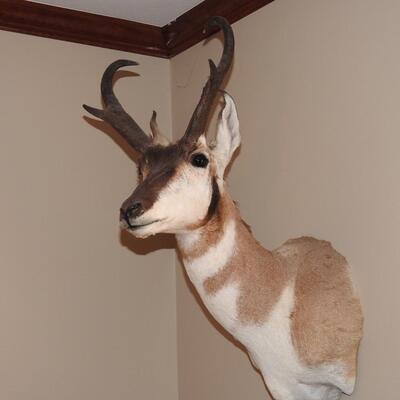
154 12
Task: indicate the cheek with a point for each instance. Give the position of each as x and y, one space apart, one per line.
186 198
196 200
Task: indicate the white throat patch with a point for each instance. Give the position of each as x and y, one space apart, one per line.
214 259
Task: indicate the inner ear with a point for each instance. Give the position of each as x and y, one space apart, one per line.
228 135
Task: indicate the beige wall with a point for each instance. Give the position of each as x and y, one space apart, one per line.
82 316
87 313
318 94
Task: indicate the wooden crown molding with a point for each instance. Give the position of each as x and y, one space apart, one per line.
187 30
114 33
81 27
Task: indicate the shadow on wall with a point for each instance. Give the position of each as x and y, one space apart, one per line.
145 246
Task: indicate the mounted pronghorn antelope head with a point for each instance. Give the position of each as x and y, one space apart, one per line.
179 183
294 308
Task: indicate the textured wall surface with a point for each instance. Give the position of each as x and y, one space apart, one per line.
85 312
317 89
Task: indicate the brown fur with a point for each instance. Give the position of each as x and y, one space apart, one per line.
259 274
326 320
261 278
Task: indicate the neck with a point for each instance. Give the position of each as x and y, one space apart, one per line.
223 260
214 252
207 253
195 243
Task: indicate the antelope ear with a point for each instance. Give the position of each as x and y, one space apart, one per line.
228 135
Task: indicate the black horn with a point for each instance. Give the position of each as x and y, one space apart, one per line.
200 115
113 112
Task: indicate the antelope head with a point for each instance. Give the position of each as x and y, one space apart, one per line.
179 183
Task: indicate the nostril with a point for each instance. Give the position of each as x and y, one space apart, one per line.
135 206
133 210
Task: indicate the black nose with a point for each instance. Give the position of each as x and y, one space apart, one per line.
132 211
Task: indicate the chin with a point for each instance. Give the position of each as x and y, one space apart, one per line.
140 233
144 231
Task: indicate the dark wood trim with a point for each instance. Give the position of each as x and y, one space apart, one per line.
81 27
114 33
187 30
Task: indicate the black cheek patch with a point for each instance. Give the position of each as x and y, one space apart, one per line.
215 196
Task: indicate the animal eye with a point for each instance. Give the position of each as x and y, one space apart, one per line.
199 160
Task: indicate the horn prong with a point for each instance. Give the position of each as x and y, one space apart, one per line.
94 111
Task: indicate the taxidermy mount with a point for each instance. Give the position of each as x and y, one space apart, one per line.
294 308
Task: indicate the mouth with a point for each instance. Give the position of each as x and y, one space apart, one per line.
135 227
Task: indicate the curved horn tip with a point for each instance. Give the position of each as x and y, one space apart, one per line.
114 66
94 111
126 62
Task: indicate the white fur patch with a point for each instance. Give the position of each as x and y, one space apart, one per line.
223 306
214 259
187 241
271 347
